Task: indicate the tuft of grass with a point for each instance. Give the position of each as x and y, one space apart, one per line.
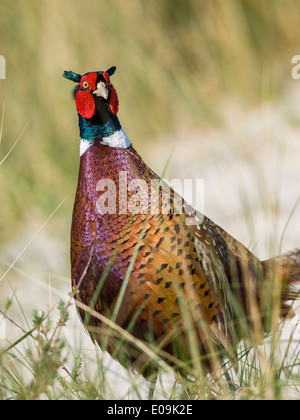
43 364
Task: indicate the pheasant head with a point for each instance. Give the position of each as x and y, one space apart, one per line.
97 105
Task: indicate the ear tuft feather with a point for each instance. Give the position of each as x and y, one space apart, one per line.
111 71
75 77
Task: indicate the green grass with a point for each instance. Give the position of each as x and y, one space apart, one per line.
42 363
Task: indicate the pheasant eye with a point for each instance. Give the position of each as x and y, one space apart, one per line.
85 85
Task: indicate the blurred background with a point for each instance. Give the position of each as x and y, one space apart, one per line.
203 85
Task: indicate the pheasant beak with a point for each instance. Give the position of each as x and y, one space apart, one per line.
101 90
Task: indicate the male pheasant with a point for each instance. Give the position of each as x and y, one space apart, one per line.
153 265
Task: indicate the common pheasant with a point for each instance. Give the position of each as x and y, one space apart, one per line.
145 259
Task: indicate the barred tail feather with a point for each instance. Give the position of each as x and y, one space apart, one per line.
287 267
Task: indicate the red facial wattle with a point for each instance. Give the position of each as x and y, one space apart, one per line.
113 100
84 101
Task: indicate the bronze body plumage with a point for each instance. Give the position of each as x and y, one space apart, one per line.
182 272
